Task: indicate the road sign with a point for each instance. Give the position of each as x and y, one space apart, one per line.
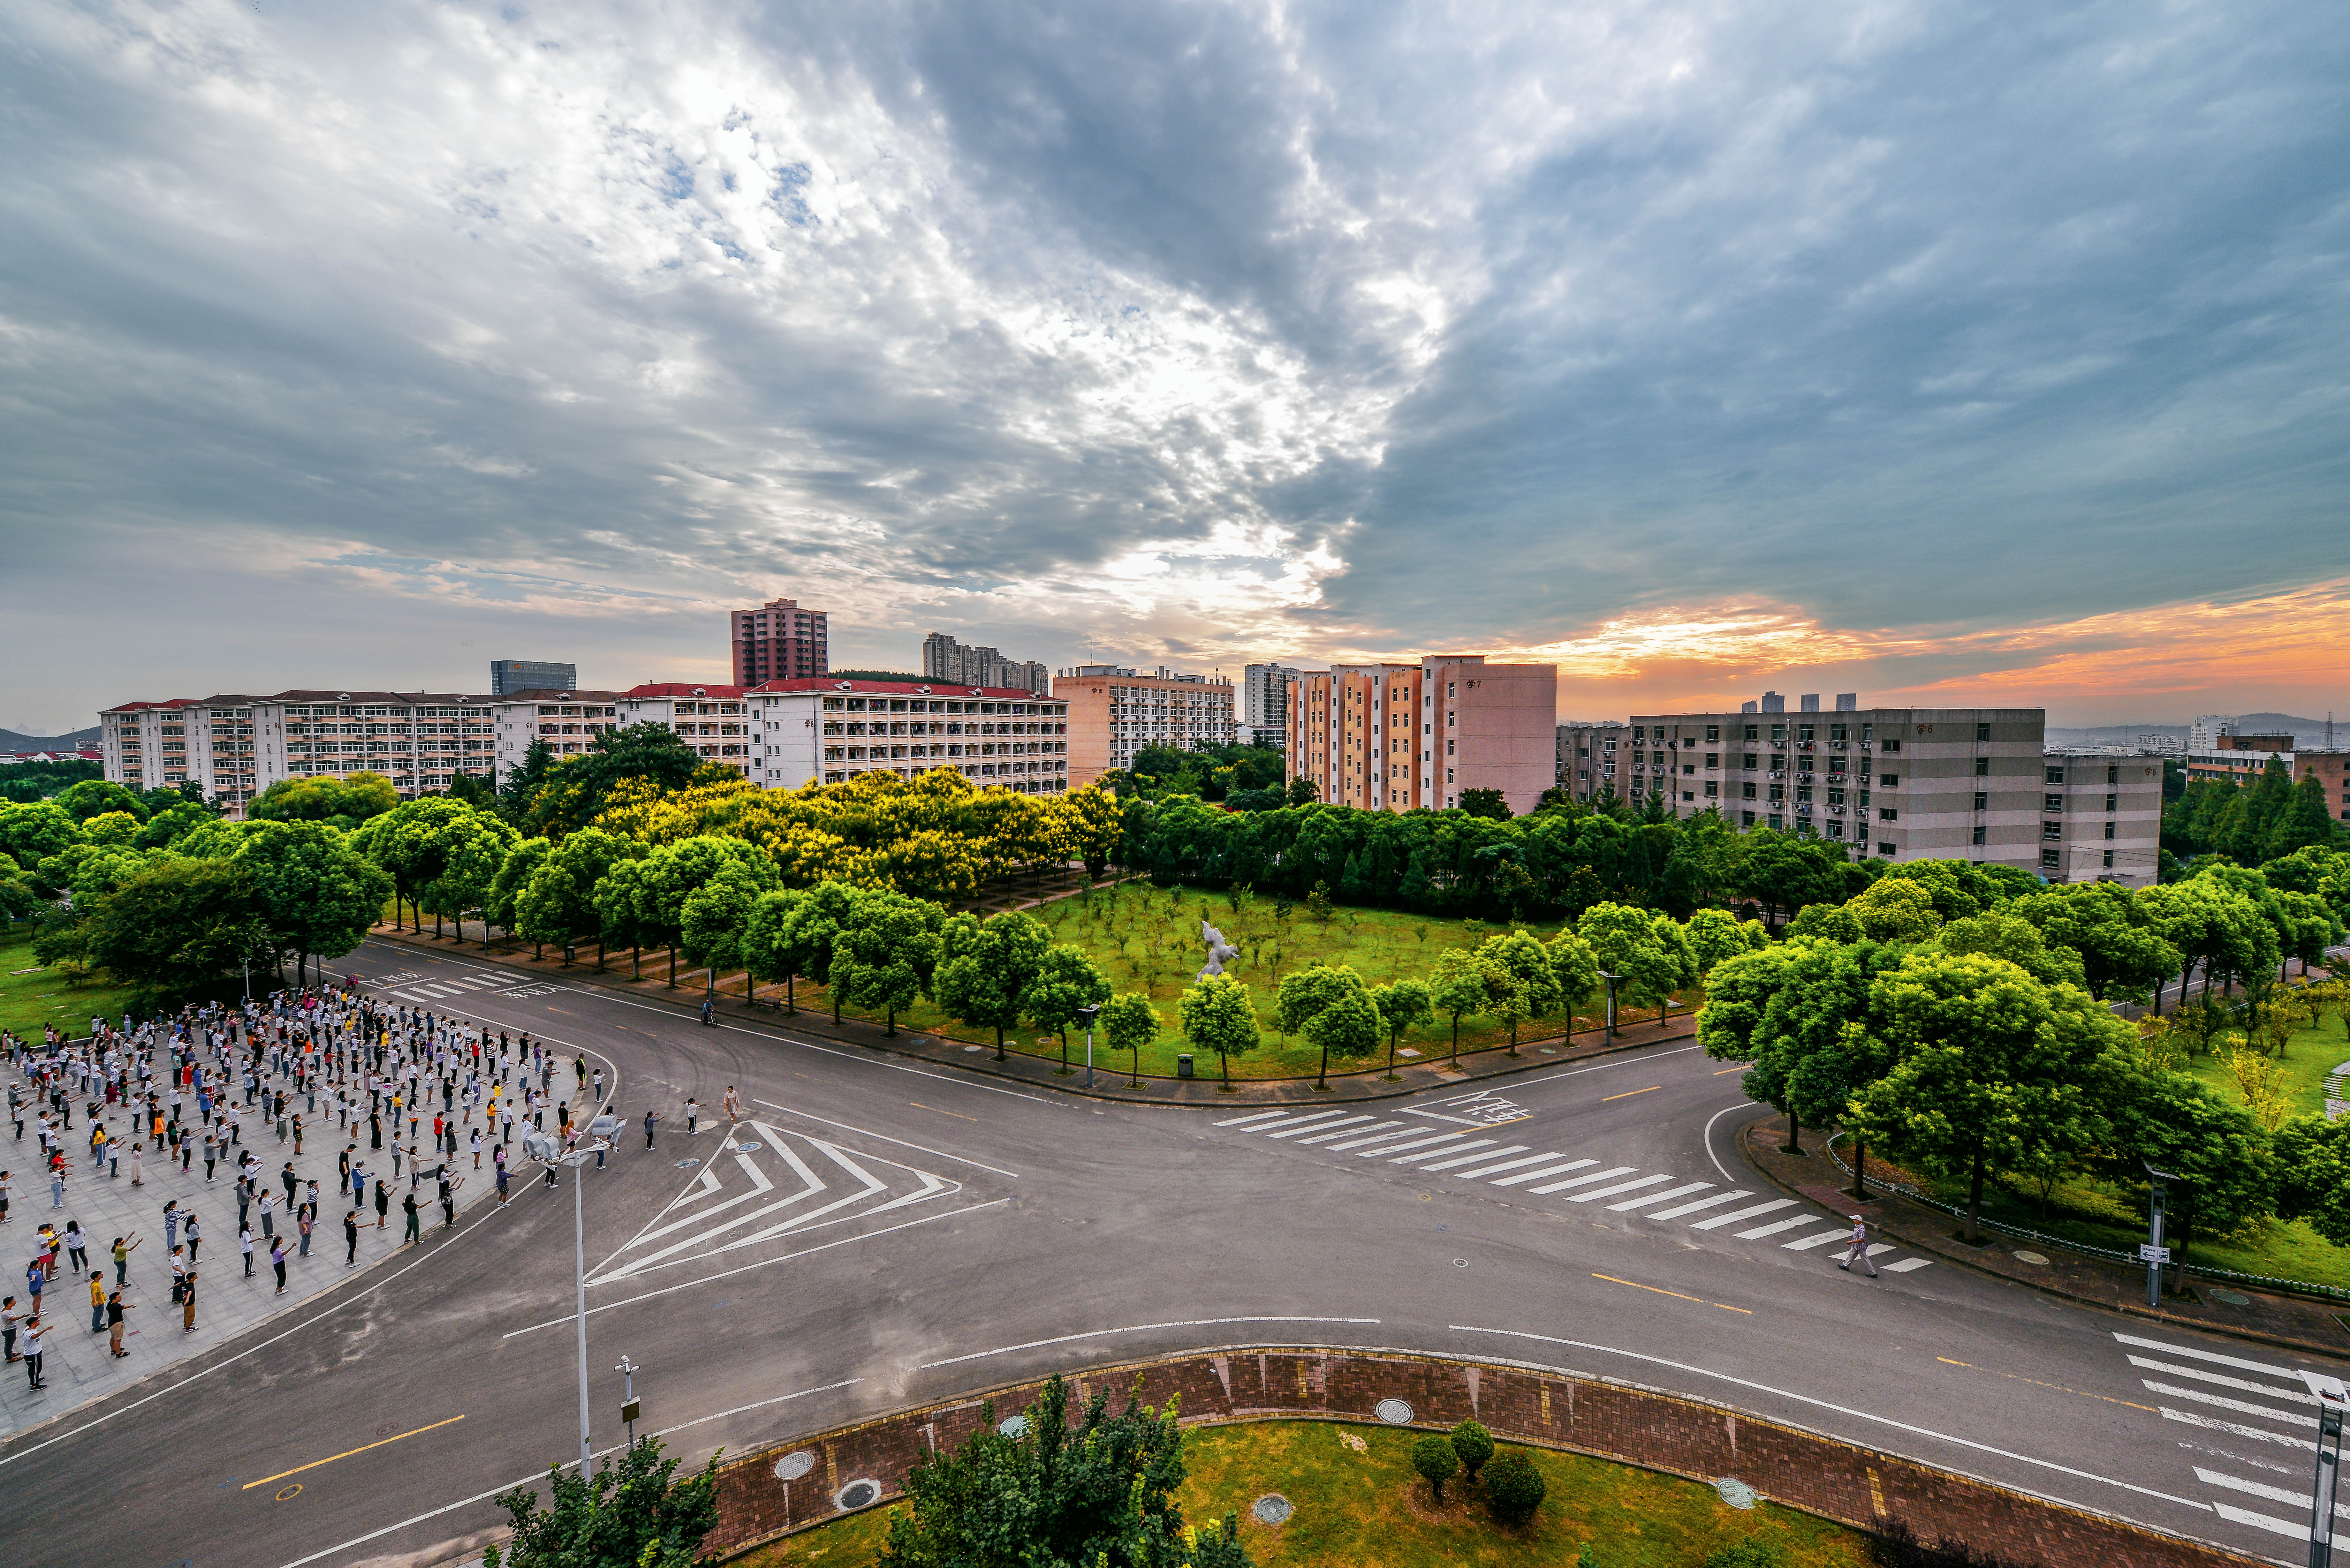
2147 1255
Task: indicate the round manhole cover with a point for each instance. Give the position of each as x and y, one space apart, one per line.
1271 1509
1736 1493
1459 1262
2231 1298
2041 1259
791 1467
747 1147
1013 1426
1393 1412
856 1494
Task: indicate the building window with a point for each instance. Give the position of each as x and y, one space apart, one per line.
1746 819
1982 731
1888 850
2113 803
2110 830
2051 860
2110 859
2055 776
2052 830
1982 800
1978 835
1775 820
1982 767
1890 780
1887 813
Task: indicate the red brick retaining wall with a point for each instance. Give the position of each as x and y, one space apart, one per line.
1665 1432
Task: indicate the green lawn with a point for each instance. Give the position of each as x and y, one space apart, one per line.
28 1000
1359 1505
1146 939
2314 1050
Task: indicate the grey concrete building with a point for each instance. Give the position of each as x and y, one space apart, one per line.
963 664
511 677
2100 815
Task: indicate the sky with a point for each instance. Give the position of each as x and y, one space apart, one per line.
1947 353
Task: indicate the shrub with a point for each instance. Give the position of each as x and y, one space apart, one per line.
1433 1458
1474 1445
1744 1554
1513 1488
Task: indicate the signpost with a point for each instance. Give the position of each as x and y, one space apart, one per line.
2333 1403
2154 1254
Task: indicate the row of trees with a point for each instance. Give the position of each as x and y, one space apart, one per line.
2266 820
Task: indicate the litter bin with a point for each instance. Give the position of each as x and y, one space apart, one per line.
1183 1065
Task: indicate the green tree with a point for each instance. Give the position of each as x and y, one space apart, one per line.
1629 944
1785 871
1067 983
885 957
1717 934
1474 1444
1804 1014
557 903
987 968
1433 1458
1129 1023
1403 1004
503 905
96 797
1490 804
1217 1016
31 834
1302 792
468 848
318 894
2005 935
674 872
1532 989
2312 1163
1349 1027
1515 1489
522 782
1096 1492
1992 1070
634 1515
179 927
2117 932
714 923
170 823
1457 989
1303 996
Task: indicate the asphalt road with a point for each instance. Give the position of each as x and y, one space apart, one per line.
900 1233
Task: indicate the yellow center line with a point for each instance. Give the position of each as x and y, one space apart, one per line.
919 1106
2036 1382
346 1453
1729 1070
1629 1093
1675 1294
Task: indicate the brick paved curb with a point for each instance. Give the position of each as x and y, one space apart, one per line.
1523 1403
1038 1073
2290 1323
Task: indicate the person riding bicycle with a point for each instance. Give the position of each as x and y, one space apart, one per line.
709 1011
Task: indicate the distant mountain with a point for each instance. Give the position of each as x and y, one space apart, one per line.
2304 731
10 740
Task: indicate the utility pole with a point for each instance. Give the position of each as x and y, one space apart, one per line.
2332 1401
2154 1254
629 1411
1088 1014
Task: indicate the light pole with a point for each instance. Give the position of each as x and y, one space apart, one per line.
2333 1400
1088 1014
1611 980
627 1370
2154 1253
578 1160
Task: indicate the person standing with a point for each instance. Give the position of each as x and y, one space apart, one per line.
115 1307
123 1247
382 1204
244 1247
351 1237
1858 1250
77 1245
171 1226
188 1303
7 1191
98 1301
212 1152
8 1329
650 1118
303 1219
195 1238
415 1232
692 1114
449 1185
733 1105
277 1261
35 1332
498 1159
138 1164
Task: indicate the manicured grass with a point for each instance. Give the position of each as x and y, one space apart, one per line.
29 1001
2314 1050
1146 939
1359 1505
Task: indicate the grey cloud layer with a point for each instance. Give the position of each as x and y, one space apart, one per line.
1334 326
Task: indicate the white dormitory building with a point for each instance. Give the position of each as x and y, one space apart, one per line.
828 730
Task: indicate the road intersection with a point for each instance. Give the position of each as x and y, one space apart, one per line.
874 1232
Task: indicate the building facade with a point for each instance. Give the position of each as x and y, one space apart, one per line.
1115 714
236 746
2332 770
2238 759
829 732
959 664
568 720
2100 815
1397 737
1902 784
1264 702
714 721
511 677
1587 756
2203 731
778 641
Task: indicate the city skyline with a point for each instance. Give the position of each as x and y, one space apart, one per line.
1696 353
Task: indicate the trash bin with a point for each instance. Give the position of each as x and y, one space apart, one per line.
1183 1065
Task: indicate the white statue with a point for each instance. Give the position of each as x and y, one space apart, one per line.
1218 951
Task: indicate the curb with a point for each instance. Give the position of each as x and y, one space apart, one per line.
2049 1288
1287 1095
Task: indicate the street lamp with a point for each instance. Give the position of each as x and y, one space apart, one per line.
2333 1400
576 1160
1611 978
1088 1014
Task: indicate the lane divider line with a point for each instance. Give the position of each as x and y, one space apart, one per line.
1131 1328
346 1453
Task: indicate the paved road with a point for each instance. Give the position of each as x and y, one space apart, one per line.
875 1232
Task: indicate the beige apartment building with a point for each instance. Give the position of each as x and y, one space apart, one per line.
1114 713
1393 737
2100 815
1901 784
568 722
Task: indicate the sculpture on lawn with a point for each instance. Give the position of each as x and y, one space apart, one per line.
1218 951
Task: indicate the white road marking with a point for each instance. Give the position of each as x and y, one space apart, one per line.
1473 1158
2261 1489
1822 1239
2221 1380
1619 1187
1540 1171
885 1137
2261 1521
1340 1129
1321 1125
1663 1196
1244 1121
1484 1143
1374 1137
1417 1143
1732 1195
2193 1353
1772 1229
1131 1328
1906 1264
1507 1165
1550 1187
2241 1406
2213 1424
1768 1206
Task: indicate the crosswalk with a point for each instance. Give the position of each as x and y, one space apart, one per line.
1571 1179
428 993
2251 1430
1655 1196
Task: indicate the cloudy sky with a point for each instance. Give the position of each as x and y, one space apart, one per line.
1943 351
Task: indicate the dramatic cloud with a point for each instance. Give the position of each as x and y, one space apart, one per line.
1962 350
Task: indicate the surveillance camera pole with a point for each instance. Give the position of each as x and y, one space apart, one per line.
2333 1403
627 1370
1089 1015
1611 980
2154 1253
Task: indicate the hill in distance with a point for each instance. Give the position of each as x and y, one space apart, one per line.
10 740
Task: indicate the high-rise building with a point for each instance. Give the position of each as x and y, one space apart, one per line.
778 641
2203 731
1114 713
963 664
509 676
1264 702
1391 737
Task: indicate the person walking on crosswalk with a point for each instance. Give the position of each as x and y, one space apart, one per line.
1858 1251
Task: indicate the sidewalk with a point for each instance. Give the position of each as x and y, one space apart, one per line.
1043 1073
80 1368
2292 1322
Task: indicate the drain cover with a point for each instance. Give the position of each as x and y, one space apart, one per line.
791 1467
687 1164
748 1148
2023 1257
2231 1298
1013 1426
856 1494
1271 1509
1393 1412
1459 1262
1736 1493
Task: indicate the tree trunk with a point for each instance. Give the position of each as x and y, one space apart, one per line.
636 963
538 951
1795 1144
1860 1170
889 1030
1514 1036
673 966
1324 1081
791 997
1227 1063
834 992
1456 1040
1974 1198
600 952
999 1043
1065 1053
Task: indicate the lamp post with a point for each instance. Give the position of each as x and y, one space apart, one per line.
576 1160
1611 980
1089 1014
627 1370
2333 1402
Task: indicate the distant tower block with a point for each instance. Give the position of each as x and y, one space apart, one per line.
1811 700
1773 703
1848 701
